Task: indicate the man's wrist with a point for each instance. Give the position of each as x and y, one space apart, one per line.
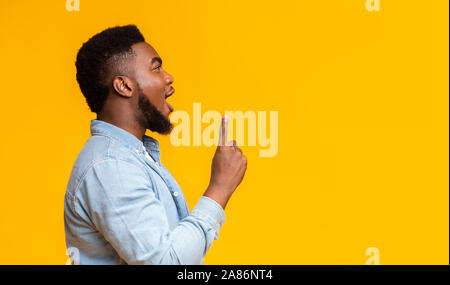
217 194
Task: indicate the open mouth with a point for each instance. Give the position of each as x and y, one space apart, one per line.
172 90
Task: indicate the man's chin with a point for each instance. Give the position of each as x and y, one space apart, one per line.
165 133
162 130
156 121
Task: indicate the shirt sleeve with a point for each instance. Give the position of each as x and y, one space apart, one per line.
123 206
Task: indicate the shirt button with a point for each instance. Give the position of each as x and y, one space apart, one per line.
175 194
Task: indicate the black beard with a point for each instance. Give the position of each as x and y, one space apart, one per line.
151 118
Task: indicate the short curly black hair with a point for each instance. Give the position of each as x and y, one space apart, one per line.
100 58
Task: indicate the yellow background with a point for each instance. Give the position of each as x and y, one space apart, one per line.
363 122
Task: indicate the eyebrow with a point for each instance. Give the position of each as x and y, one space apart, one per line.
158 59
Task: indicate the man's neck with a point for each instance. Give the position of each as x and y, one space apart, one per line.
130 126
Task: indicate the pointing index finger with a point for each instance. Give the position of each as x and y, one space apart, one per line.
223 131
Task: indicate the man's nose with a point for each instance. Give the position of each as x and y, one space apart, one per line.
169 79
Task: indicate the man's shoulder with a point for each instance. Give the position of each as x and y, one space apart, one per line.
99 151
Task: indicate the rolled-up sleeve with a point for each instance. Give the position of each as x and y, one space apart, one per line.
120 201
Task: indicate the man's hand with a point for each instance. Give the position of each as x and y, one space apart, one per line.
228 168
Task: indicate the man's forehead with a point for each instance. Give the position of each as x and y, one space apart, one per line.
144 51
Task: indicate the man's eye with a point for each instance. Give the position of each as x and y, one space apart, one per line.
157 68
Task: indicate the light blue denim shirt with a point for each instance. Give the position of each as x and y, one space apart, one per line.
122 206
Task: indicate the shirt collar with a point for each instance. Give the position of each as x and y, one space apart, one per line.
99 127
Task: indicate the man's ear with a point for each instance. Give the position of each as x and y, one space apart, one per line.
123 85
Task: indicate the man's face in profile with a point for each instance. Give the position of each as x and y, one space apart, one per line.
153 88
